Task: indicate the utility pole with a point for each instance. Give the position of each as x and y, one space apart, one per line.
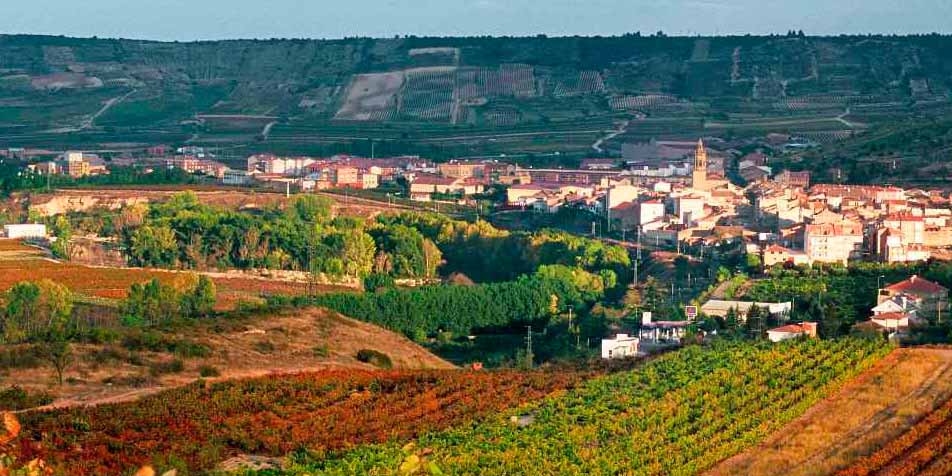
593 229
529 347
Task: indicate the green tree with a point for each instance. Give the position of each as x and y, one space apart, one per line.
62 248
36 308
200 300
151 303
153 246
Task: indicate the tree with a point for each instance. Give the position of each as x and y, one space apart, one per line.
200 300
153 246
357 253
55 350
36 308
62 248
731 322
151 303
756 322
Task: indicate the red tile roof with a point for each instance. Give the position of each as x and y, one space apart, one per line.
916 285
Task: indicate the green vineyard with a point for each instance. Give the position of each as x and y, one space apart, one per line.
678 415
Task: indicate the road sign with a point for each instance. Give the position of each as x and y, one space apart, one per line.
691 312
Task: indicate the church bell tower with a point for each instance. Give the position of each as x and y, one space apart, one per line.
699 177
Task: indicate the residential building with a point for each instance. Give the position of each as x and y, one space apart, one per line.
776 254
619 347
933 299
833 243
793 179
461 169
792 331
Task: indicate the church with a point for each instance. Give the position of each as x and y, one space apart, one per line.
700 181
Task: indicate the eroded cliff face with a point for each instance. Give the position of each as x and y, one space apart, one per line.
81 201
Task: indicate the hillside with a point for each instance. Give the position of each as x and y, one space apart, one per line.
870 412
141 364
429 94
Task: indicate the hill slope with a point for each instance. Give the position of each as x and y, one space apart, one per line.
305 340
279 94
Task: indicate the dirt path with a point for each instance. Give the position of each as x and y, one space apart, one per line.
873 409
109 104
622 128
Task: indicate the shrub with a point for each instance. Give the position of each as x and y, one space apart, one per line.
208 371
16 398
265 347
19 358
173 366
376 358
321 351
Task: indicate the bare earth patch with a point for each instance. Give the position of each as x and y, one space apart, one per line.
870 411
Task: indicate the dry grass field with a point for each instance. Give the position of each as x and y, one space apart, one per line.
298 341
869 412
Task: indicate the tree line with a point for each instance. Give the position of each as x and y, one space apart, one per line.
460 310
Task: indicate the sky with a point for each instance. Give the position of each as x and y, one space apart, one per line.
185 20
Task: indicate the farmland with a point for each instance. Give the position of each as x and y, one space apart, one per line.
680 414
104 285
197 427
377 87
872 411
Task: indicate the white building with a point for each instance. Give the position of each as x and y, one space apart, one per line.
792 331
28 230
621 346
236 177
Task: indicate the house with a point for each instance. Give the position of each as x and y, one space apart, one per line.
792 331
893 321
428 184
933 299
756 173
27 230
689 209
776 254
619 347
793 179
461 169
720 308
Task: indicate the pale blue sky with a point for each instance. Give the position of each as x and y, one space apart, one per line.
217 19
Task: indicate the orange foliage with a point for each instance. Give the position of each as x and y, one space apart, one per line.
323 411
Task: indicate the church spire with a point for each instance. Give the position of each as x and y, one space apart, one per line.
700 156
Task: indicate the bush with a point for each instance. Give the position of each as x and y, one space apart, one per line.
16 398
208 371
321 351
191 350
19 358
173 366
265 347
376 358
377 281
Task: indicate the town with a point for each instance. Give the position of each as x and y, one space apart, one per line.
396 252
